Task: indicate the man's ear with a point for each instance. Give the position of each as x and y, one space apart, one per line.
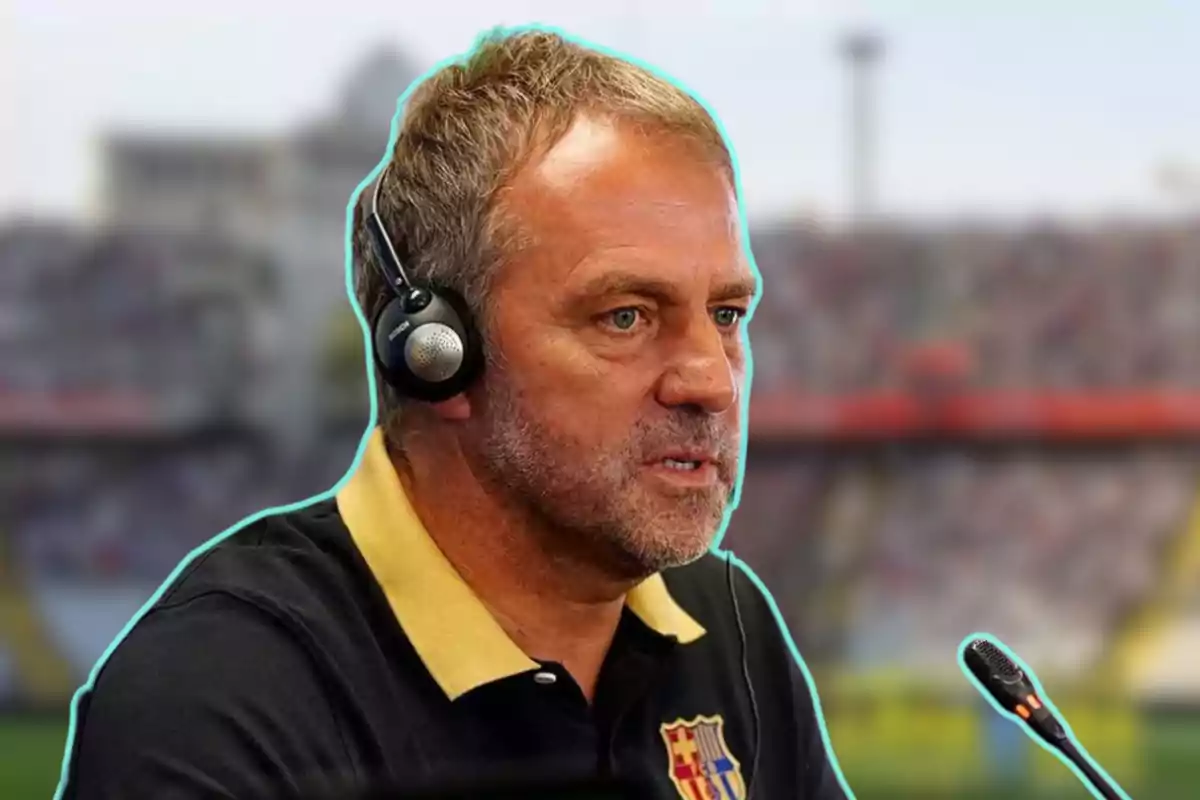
456 408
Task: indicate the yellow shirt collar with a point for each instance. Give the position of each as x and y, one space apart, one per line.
459 641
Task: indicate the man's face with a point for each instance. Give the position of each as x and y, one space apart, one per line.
611 409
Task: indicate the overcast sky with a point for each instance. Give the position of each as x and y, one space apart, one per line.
1006 108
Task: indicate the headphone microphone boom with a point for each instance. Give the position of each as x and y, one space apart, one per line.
1016 694
424 341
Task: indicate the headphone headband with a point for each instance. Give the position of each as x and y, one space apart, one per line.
385 252
425 344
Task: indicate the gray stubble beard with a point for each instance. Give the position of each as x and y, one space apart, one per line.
599 510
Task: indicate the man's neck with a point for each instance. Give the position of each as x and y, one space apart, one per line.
553 609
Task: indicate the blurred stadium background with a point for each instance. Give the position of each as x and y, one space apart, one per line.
957 427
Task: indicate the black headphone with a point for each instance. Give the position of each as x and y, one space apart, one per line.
425 344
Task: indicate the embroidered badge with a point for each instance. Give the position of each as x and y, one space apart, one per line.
702 767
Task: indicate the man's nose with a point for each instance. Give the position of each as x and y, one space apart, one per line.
700 373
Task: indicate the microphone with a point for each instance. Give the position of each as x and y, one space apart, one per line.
1016 694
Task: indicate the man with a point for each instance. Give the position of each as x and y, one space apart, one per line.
515 582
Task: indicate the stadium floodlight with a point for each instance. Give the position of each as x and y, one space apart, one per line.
862 49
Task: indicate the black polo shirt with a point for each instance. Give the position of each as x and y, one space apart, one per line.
333 647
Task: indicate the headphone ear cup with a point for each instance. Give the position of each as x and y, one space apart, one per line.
388 350
426 346
473 360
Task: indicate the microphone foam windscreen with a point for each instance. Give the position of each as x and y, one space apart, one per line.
996 661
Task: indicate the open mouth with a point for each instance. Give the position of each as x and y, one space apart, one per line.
681 465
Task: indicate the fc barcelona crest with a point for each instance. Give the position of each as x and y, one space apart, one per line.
702 767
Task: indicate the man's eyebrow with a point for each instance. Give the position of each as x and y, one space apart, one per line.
738 289
617 283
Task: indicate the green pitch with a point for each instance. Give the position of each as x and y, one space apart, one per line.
31 752
1166 758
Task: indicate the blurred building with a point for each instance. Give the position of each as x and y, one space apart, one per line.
284 198
162 324
142 362
221 189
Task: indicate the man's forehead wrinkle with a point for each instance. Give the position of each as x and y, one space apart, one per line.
585 199
601 229
607 204
616 269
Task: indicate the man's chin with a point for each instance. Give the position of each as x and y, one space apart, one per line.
660 556
682 560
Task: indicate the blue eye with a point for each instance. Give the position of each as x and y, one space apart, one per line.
727 316
624 318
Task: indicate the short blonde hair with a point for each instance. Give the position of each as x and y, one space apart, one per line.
470 127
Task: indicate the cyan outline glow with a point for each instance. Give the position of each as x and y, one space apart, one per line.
373 420
1037 685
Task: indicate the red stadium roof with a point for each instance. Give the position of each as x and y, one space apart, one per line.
867 416
1084 416
83 412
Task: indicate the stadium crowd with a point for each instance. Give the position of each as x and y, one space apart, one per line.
104 520
1043 307
1068 541
134 516
60 292
92 313
1040 307
1046 552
